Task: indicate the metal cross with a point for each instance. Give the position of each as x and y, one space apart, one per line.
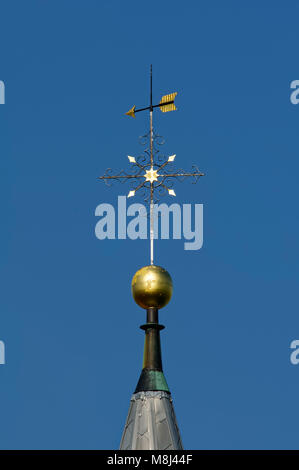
149 169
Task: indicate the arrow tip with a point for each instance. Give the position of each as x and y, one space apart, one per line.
131 112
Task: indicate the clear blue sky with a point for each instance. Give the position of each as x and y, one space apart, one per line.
69 323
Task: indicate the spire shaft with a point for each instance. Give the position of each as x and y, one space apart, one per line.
152 377
152 358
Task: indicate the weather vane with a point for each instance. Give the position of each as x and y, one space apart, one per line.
149 169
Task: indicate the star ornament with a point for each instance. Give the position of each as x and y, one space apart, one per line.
151 175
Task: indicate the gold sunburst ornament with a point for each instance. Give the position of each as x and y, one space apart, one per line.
151 175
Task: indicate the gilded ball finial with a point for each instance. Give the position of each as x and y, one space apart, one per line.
152 287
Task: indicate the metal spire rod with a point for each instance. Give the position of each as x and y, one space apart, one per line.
152 167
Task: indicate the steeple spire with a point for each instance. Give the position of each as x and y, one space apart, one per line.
151 422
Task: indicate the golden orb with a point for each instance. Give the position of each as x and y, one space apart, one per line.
152 287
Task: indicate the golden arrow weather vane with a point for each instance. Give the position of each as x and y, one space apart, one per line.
149 169
166 104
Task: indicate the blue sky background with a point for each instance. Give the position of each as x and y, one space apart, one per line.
69 323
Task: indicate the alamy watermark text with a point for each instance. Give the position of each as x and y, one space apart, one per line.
2 353
2 92
187 222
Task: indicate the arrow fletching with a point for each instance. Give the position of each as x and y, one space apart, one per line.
167 103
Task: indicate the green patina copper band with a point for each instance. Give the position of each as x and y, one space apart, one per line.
152 380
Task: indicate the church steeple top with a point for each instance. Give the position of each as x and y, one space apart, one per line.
151 422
